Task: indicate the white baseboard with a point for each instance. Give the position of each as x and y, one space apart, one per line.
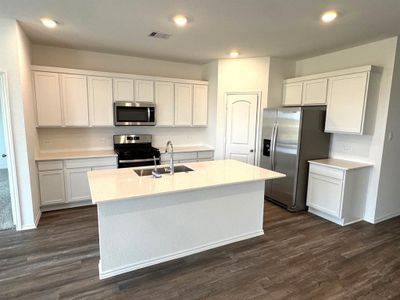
385 217
174 255
37 217
35 222
66 205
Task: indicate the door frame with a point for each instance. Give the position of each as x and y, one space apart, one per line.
9 143
258 121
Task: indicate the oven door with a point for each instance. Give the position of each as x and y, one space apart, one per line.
134 114
140 162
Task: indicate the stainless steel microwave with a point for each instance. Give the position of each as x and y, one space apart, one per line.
134 114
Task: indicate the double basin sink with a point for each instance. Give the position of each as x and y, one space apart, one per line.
162 170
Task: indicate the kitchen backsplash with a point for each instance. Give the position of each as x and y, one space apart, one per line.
67 139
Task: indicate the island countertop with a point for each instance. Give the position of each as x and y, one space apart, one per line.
120 184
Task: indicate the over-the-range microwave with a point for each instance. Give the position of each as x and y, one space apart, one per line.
134 114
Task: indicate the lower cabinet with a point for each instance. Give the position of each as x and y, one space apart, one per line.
77 184
337 194
186 157
65 182
52 187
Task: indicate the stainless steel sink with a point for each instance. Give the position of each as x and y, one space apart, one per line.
162 170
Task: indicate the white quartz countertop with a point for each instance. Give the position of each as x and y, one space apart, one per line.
194 148
119 184
340 163
74 155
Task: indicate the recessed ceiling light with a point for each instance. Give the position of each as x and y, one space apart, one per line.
329 16
180 20
234 54
49 23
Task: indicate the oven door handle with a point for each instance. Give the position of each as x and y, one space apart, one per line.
123 161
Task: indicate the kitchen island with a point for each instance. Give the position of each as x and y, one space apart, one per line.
144 221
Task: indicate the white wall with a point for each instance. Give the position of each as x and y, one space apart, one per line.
79 59
368 147
388 204
3 161
238 75
9 63
101 138
24 57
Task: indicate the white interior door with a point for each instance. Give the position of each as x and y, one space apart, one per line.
241 123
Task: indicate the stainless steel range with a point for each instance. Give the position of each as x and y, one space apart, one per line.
135 150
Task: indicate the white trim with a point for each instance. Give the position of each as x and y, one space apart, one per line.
11 164
175 255
37 218
115 75
382 218
339 221
258 122
332 74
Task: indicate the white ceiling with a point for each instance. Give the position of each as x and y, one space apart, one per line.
283 28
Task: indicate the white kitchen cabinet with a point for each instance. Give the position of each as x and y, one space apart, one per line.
337 190
123 89
292 93
347 99
100 101
164 97
77 184
51 185
48 99
75 100
314 92
183 104
200 103
144 91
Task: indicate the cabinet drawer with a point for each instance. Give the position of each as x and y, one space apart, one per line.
327 171
90 162
206 154
186 156
50 165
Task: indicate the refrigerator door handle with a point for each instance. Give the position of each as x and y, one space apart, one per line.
273 146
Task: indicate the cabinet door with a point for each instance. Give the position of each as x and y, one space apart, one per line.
292 93
51 187
100 101
347 97
183 104
144 91
48 99
325 194
123 89
77 184
200 99
314 92
164 95
75 100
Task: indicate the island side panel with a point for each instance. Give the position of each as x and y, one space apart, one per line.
141 232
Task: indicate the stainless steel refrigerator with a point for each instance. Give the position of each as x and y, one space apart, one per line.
290 137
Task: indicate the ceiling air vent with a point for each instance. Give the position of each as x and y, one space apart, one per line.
159 35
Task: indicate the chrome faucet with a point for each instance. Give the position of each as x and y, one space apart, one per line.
171 160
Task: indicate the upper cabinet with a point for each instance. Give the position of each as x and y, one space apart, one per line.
164 95
314 92
200 101
75 100
100 101
183 104
292 93
79 98
48 99
344 92
347 99
123 89
144 91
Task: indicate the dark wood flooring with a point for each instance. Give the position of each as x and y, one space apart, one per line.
300 257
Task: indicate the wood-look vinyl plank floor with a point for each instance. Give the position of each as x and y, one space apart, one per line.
301 256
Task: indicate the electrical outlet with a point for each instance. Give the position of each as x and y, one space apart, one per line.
47 141
102 140
347 147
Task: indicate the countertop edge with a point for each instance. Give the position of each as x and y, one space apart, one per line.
360 166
